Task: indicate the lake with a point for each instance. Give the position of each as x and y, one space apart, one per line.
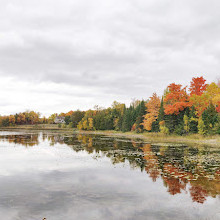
57 176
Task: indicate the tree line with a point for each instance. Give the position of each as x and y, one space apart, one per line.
180 110
22 118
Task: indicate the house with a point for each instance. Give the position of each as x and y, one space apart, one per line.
59 120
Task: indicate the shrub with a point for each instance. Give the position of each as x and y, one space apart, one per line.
201 126
163 128
71 125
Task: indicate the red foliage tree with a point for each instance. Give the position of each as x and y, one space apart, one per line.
176 100
197 86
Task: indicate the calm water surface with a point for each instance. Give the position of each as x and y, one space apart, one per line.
98 177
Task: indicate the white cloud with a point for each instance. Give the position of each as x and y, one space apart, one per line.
92 51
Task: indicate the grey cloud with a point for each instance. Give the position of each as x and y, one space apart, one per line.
122 48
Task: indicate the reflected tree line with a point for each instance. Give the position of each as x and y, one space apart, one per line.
193 170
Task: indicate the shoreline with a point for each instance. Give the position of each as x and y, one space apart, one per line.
160 138
149 137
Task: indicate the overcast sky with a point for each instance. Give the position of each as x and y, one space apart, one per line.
61 55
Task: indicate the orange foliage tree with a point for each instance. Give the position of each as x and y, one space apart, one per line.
21 119
69 113
153 107
176 99
197 86
12 119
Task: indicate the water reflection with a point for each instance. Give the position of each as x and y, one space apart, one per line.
183 169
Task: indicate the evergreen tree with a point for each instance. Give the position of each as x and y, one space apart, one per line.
126 120
5 121
175 123
76 117
186 123
193 121
161 111
155 126
210 118
217 126
67 119
139 120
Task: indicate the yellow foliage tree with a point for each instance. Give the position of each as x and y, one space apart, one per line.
210 95
153 107
80 125
90 121
12 119
85 126
212 91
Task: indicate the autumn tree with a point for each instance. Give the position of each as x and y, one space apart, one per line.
156 124
69 113
62 114
5 121
213 94
12 120
176 102
118 112
67 117
21 118
210 95
153 107
186 123
200 103
52 118
163 128
176 99
31 117
201 126
90 124
212 91
197 86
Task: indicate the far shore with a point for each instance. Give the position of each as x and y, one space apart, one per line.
146 136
